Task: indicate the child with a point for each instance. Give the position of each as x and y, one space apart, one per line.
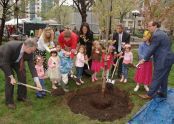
127 59
96 57
41 74
108 58
143 73
79 63
66 65
54 68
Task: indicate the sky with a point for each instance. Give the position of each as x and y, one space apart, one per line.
68 2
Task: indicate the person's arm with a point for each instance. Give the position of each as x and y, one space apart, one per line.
154 45
128 38
131 57
140 51
73 46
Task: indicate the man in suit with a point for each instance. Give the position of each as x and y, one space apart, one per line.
13 54
163 60
121 37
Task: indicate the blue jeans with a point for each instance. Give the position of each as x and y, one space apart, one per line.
79 72
41 93
125 70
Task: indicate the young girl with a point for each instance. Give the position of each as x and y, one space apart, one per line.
41 74
66 65
96 57
127 59
108 58
143 73
54 68
79 63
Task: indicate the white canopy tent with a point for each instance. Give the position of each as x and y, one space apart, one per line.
14 21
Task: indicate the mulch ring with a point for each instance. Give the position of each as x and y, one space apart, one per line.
90 102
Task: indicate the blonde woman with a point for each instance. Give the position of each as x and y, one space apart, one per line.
45 42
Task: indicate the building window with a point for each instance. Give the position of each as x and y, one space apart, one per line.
139 23
130 23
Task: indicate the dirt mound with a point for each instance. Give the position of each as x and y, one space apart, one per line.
90 102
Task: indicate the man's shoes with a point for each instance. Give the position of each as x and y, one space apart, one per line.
22 99
145 96
11 106
160 94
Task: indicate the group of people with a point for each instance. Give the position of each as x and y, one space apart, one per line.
83 52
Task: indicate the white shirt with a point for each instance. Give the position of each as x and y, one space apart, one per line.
21 54
44 46
119 41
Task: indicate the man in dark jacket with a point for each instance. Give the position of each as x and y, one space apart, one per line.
13 54
121 37
163 60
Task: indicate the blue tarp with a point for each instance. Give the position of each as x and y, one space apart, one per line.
157 111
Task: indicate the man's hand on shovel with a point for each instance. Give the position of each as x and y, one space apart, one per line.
12 80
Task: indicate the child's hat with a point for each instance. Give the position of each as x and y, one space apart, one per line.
147 34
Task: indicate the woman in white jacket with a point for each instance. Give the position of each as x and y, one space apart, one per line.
45 43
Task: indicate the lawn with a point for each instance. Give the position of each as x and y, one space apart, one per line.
53 110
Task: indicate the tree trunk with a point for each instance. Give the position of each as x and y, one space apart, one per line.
84 16
2 25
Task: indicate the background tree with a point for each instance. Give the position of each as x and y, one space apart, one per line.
83 6
5 4
158 10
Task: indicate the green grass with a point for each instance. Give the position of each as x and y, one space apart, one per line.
54 110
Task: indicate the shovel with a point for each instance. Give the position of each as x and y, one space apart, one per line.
55 92
111 80
88 71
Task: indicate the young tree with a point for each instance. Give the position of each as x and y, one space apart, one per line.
83 6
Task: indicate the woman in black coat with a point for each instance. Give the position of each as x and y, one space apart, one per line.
86 39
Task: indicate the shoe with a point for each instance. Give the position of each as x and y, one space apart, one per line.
78 83
82 82
93 80
125 80
22 99
66 90
11 106
96 79
146 88
136 88
121 80
43 93
160 94
54 87
145 96
39 95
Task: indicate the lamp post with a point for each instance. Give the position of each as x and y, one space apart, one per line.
17 12
135 13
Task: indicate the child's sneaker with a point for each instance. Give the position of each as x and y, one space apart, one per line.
121 80
39 95
146 88
125 80
136 88
82 82
93 80
96 79
78 83
54 87
66 90
43 93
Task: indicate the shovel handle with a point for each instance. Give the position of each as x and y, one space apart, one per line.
33 87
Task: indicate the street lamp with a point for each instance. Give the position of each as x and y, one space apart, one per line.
135 13
17 16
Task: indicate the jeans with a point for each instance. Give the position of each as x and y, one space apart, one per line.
41 93
79 72
125 70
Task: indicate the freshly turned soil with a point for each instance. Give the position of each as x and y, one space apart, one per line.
114 104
